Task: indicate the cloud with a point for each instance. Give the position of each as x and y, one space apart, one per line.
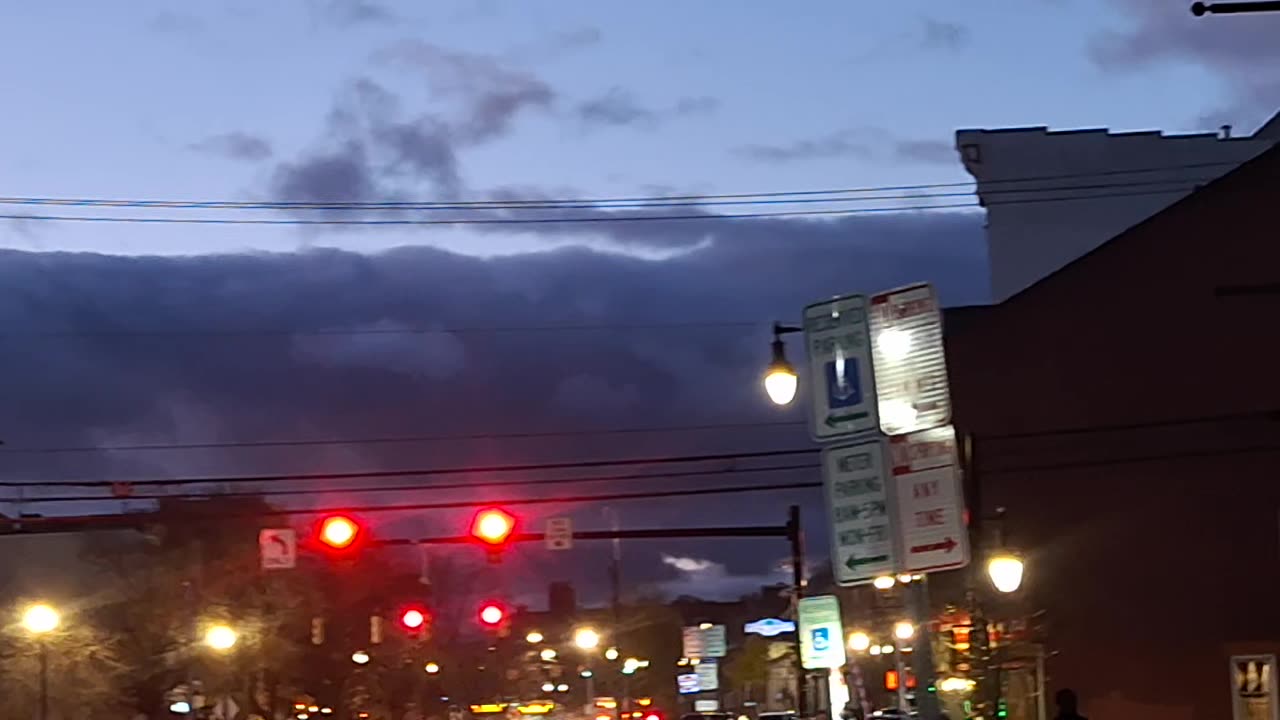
943 35
236 146
352 12
836 145
1234 47
926 151
616 108
709 580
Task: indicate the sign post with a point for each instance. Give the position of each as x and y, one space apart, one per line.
839 348
862 545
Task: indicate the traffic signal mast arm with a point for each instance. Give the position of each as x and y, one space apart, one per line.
641 534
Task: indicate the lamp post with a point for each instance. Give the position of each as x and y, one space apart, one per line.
40 620
587 640
780 379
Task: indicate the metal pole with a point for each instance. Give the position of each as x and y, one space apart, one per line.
1230 8
1041 711
44 680
797 592
922 650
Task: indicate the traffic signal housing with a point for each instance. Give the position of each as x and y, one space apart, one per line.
493 528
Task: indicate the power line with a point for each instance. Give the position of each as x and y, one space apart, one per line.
570 220
369 474
451 505
1137 459
320 442
541 203
401 488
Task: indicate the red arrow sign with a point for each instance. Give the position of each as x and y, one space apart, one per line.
946 546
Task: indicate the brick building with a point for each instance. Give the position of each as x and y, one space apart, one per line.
1124 410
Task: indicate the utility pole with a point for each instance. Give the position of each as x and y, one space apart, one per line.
795 535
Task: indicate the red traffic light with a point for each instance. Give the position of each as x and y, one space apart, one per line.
492 614
493 526
413 618
339 532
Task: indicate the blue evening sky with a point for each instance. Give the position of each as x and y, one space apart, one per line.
129 100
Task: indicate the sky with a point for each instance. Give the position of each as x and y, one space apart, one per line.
126 333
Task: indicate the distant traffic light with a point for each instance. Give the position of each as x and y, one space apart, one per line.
415 620
492 614
339 532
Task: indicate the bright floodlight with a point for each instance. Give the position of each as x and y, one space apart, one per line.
586 638
1005 571
40 619
220 638
903 630
533 638
884 582
894 344
859 641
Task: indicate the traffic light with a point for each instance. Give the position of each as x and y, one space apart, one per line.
415 620
339 533
492 614
1002 708
493 528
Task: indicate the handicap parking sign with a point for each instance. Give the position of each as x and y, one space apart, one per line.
821 639
844 388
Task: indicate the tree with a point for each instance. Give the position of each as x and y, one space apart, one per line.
748 668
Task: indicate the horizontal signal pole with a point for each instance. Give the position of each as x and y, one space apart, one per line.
761 531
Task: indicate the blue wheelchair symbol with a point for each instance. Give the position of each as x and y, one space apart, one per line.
844 388
821 639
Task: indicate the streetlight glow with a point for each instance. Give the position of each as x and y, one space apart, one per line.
40 619
859 641
611 654
586 639
432 668
547 654
780 379
904 630
1005 571
884 582
220 637
533 638
360 657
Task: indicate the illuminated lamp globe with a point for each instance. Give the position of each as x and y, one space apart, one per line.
1005 571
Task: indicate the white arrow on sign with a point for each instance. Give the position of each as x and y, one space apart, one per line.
278 548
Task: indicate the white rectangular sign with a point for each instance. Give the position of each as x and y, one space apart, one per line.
278 548
708 675
930 503
700 642
838 345
910 362
559 534
821 632
855 478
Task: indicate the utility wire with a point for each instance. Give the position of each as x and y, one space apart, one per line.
396 440
33 499
369 474
570 220
539 203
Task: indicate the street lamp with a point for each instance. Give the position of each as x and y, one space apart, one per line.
533 638
360 657
40 620
221 638
586 638
547 654
432 668
1005 571
611 654
859 641
904 630
780 379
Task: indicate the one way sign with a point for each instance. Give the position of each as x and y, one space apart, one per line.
930 524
